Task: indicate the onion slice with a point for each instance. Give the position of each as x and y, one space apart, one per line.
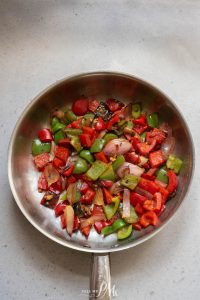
168 146
130 169
91 220
143 192
51 174
98 198
69 218
71 193
126 204
116 188
117 147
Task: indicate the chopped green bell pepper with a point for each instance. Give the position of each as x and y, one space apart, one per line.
56 125
38 147
108 174
153 120
97 146
174 163
75 142
72 131
136 110
111 209
59 135
162 175
133 216
87 156
81 166
118 224
69 117
87 119
118 162
130 181
97 168
124 232
109 136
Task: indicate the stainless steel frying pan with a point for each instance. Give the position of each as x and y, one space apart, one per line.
23 176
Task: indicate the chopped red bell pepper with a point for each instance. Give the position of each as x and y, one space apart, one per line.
154 204
135 141
56 187
68 170
85 140
41 160
137 226
155 134
71 179
99 225
112 121
164 192
88 196
113 104
148 185
42 183
149 218
58 163
59 208
107 196
132 157
150 174
45 135
62 153
141 120
97 210
106 183
145 148
173 181
63 222
84 187
136 198
88 130
139 129
100 124
93 104
49 200
101 156
86 231
161 210
80 106
139 209
64 142
156 158
76 124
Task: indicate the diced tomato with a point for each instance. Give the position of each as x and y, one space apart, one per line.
107 196
45 135
100 124
106 183
85 140
58 163
68 170
93 104
132 157
149 218
145 148
80 106
113 104
156 134
88 130
59 208
101 156
88 197
139 209
41 160
63 222
76 124
97 210
42 183
62 153
137 226
148 185
141 120
173 181
136 198
154 204
156 158
112 121
64 142
139 129
86 231
84 187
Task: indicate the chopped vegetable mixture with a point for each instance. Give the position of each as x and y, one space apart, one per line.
106 165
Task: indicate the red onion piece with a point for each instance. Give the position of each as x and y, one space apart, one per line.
143 192
91 220
117 147
51 174
162 184
126 204
98 198
69 218
168 146
130 169
101 134
116 188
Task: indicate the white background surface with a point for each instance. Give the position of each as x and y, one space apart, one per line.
43 41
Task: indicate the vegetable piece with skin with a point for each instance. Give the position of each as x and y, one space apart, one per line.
97 146
38 147
136 198
111 209
85 140
93 105
162 175
75 142
72 131
80 106
98 198
107 196
117 147
41 160
149 218
153 120
97 168
56 125
124 232
45 135
108 174
148 185
68 171
145 148
118 162
81 166
85 154
69 116
113 104
128 168
62 153
58 136
51 174
118 224
71 193
156 158
136 110
130 181
174 163
69 219
173 181
101 156
154 204
87 198
109 136
100 124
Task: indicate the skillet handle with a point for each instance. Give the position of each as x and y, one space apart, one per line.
100 281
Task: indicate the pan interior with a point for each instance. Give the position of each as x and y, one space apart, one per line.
23 176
